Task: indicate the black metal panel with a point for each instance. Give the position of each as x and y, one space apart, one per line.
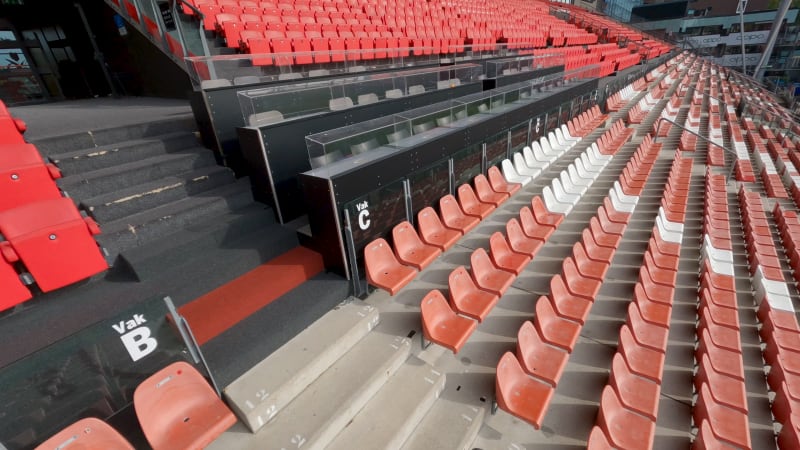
376 187
323 220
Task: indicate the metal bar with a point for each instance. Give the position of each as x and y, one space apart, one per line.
191 343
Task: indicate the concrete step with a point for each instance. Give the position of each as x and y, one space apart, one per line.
93 158
449 424
321 411
152 224
391 416
135 199
110 179
251 231
56 145
264 390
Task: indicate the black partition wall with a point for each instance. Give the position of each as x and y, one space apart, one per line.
358 201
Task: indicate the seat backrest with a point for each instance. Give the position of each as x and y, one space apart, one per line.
528 338
480 262
544 310
340 103
496 179
450 208
466 196
598 440
378 255
482 186
428 221
89 433
460 283
509 371
498 245
434 309
171 399
405 237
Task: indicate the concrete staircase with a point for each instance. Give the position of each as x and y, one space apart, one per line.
160 197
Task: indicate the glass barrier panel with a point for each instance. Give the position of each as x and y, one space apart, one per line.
467 164
91 373
429 185
277 103
429 117
333 145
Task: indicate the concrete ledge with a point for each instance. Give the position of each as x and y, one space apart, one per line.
388 420
258 395
448 425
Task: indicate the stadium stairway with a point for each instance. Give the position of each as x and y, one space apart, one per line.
174 223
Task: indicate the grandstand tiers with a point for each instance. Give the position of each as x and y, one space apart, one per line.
562 233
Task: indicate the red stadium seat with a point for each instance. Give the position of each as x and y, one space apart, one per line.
177 408
634 392
467 298
89 433
641 360
485 192
519 241
567 305
53 241
433 231
726 424
383 269
471 205
443 326
487 276
520 395
504 257
453 216
537 357
499 183
24 177
410 249
624 428
14 291
553 329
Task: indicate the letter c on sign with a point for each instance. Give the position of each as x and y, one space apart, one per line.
363 219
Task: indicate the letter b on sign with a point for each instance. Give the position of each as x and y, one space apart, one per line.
139 343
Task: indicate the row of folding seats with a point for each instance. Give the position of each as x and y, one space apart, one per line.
616 101
787 160
780 331
526 382
392 269
473 293
536 158
43 233
176 408
770 178
720 412
716 153
629 403
743 169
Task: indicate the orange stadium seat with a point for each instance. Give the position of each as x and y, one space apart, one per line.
89 433
443 326
177 408
383 269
